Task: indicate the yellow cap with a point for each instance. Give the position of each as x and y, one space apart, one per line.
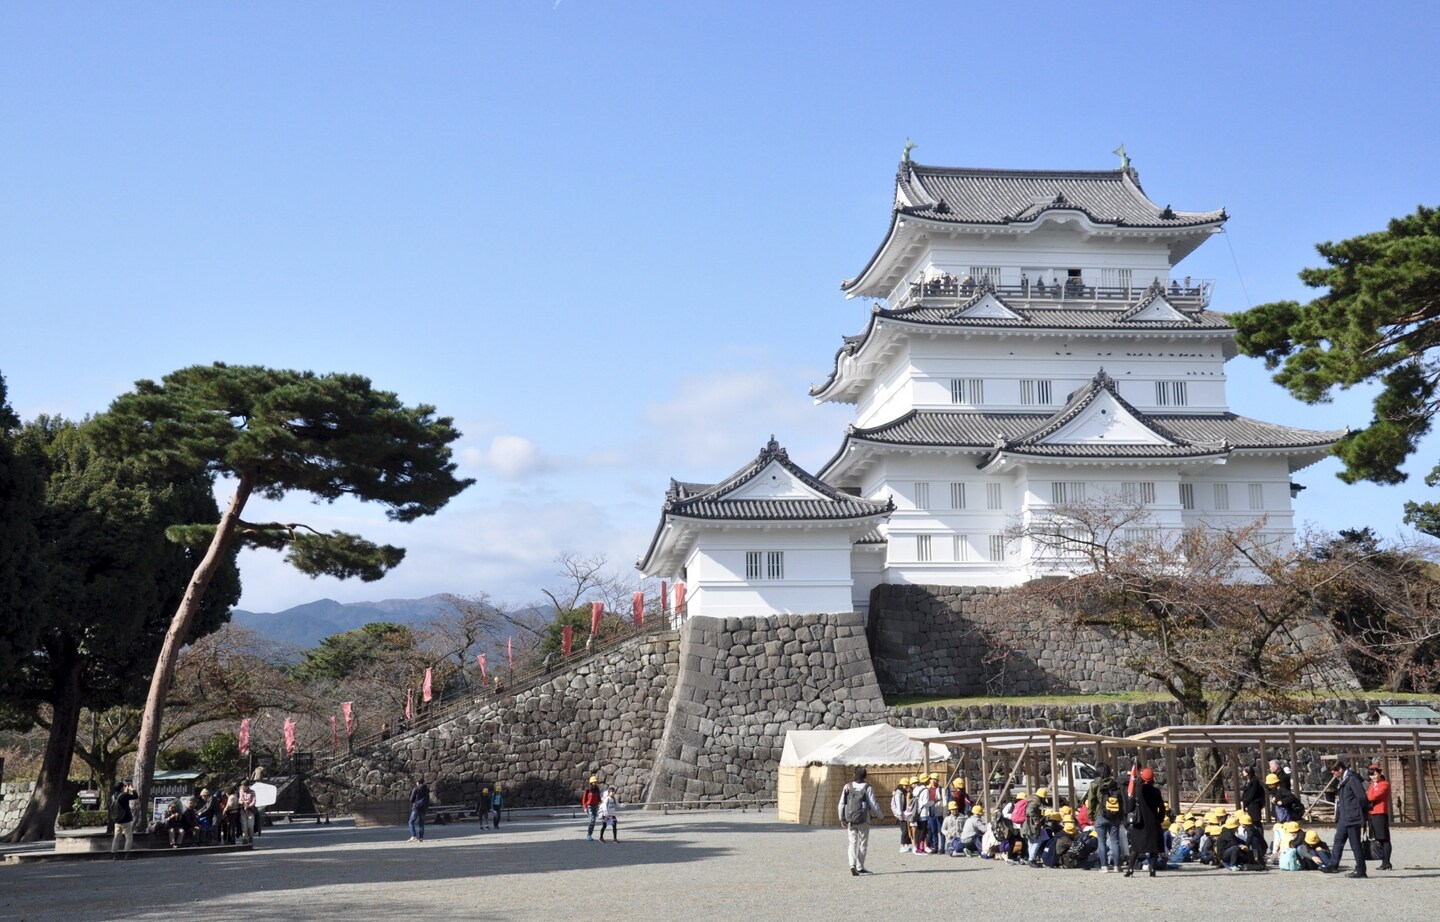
1291 827
1069 826
955 805
1042 793
1212 830
1189 825
1221 811
1312 838
594 778
958 783
1054 816
1066 809
1245 819
904 781
978 810
1177 826
1232 823
1272 779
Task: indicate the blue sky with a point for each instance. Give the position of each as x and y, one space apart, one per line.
607 238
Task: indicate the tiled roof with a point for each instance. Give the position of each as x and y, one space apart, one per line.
1097 319
980 196
713 501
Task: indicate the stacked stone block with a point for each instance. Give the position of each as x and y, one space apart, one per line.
745 682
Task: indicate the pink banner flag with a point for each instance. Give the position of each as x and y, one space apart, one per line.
289 737
348 710
596 610
510 651
245 736
427 692
481 658
679 598
335 733
567 640
409 704
664 597
637 607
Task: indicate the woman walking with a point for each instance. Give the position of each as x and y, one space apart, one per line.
1147 812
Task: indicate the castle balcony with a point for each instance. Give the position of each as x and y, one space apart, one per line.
1070 293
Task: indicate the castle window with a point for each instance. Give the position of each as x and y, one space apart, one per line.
967 390
1187 496
1222 496
992 496
1171 394
764 565
1257 496
997 547
1138 491
1035 392
922 548
1067 491
957 496
962 548
922 496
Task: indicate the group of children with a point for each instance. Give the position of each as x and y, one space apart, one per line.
940 820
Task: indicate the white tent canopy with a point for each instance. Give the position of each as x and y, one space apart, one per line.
881 744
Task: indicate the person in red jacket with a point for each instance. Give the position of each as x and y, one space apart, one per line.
590 802
1379 796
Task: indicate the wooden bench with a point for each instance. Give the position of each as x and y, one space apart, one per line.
290 816
445 813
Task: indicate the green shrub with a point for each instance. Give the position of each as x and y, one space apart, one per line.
81 819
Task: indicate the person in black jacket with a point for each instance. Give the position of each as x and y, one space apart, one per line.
1146 832
1252 795
1351 803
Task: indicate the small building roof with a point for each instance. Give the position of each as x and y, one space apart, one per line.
798 497
1353 736
1409 712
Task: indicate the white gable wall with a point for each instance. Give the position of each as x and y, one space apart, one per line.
816 571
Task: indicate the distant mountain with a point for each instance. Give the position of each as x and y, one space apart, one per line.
306 625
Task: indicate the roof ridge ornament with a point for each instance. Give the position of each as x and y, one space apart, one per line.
909 146
1124 157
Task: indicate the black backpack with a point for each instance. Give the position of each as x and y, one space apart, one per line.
857 803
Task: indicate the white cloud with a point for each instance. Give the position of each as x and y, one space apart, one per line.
512 457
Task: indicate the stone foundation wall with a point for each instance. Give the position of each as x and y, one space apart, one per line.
605 717
14 797
950 640
743 683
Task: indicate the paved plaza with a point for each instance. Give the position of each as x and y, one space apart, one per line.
696 866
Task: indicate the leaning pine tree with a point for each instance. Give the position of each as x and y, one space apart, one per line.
276 432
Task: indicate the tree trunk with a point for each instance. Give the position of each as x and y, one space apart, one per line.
179 629
37 823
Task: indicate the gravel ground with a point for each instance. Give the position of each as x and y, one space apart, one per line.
697 866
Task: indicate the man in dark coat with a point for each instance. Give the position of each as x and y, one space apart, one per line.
1351 804
1147 837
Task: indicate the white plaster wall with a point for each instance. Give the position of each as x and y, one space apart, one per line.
817 572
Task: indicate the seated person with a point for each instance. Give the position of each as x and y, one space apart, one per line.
950 830
1179 843
1253 838
1065 845
175 823
972 834
1312 852
1209 842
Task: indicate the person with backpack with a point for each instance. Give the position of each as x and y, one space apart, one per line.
857 808
123 817
1106 813
419 803
920 814
899 805
1033 828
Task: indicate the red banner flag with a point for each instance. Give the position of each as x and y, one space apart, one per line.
510 652
596 610
348 710
481 658
664 597
289 737
567 640
637 607
245 736
409 704
335 733
679 598
426 693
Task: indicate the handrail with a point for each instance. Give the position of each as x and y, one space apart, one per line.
1181 293
734 803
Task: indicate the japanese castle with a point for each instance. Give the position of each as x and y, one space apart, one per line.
1031 343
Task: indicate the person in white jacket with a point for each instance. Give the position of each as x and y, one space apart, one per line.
950 830
857 808
899 804
609 814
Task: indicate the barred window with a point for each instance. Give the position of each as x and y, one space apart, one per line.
957 496
1222 496
992 496
997 547
1067 491
1187 496
764 565
1138 491
1035 392
775 565
752 565
922 548
962 548
1171 394
1257 496
922 496
967 390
